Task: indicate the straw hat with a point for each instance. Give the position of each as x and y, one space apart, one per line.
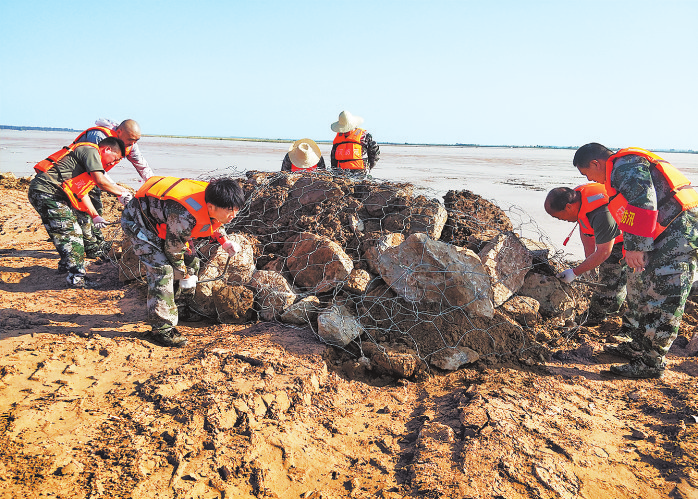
304 153
347 122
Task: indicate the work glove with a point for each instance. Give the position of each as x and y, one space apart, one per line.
567 276
188 282
99 222
125 197
231 247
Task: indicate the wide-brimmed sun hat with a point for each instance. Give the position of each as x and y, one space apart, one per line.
347 122
304 153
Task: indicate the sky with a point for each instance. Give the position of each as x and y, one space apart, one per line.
491 72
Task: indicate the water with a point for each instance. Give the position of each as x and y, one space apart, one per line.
515 179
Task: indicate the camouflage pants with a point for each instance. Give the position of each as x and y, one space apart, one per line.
163 289
94 239
61 223
614 275
657 296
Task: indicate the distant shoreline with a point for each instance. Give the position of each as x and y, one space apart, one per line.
256 139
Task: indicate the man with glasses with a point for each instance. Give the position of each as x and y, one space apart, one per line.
52 194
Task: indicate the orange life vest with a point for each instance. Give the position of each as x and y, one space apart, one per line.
187 192
294 168
106 131
83 183
348 150
593 196
640 221
77 187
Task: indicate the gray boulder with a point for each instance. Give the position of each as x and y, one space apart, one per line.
428 271
273 293
507 261
338 326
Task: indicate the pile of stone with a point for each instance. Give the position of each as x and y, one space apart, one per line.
404 279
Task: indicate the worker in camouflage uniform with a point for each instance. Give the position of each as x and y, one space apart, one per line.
587 205
163 218
49 194
656 208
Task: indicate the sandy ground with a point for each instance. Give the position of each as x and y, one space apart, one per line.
89 408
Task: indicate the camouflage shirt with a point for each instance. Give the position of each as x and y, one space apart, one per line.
82 159
149 212
643 186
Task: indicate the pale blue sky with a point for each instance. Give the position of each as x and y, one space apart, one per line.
559 73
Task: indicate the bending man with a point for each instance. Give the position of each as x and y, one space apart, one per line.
165 215
602 241
656 208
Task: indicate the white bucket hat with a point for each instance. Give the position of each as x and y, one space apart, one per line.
347 122
304 153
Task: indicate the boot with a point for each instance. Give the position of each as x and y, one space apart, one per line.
639 370
168 337
628 350
186 314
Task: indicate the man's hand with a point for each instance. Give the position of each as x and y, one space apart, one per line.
125 197
636 260
567 276
99 222
231 247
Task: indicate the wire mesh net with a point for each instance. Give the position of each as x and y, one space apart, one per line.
381 267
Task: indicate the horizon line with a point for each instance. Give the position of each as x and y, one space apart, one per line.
260 139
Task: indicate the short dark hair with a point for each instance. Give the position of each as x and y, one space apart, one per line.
113 142
558 198
589 152
225 192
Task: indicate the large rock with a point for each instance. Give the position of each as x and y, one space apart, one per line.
523 309
358 281
450 359
338 326
428 216
316 262
554 296
304 311
424 270
387 199
374 251
312 190
240 267
273 293
399 364
234 304
507 261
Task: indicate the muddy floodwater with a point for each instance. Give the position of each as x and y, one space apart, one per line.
516 179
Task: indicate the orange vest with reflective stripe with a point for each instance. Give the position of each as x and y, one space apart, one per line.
639 221
75 188
348 151
187 192
593 196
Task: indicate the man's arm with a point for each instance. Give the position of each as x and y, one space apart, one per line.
372 150
180 224
103 183
139 163
588 242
